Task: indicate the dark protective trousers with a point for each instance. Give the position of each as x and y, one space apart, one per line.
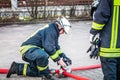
35 57
110 68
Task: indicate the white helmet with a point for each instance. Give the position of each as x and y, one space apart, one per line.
65 24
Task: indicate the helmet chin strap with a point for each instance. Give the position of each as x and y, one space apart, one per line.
59 26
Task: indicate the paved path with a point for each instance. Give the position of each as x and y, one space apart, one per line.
74 45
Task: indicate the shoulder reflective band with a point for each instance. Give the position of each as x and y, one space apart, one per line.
117 2
25 69
114 33
97 26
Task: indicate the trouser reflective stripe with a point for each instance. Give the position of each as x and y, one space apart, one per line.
25 69
42 68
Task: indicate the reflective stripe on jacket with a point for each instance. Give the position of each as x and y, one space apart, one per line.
107 22
24 49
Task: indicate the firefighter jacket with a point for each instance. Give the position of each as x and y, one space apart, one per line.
106 21
45 38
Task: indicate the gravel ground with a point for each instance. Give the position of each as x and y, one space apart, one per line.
74 45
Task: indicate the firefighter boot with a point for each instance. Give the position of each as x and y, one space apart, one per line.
46 75
12 69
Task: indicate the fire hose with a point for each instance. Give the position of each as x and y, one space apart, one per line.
3 70
68 74
74 76
64 72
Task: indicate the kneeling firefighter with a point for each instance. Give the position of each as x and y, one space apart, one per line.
37 49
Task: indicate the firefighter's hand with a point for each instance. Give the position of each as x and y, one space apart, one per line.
94 48
94 53
93 38
67 61
61 62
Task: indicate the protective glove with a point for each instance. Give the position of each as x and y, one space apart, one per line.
67 60
61 63
93 38
94 48
95 53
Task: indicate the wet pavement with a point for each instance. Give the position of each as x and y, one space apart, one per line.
74 45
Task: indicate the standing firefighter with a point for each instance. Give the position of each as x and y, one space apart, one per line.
39 47
106 23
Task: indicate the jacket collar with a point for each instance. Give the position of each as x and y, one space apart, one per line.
56 28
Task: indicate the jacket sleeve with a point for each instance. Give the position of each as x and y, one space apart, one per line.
101 16
49 45
59 50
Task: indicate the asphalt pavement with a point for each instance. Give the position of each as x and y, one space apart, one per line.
74 45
